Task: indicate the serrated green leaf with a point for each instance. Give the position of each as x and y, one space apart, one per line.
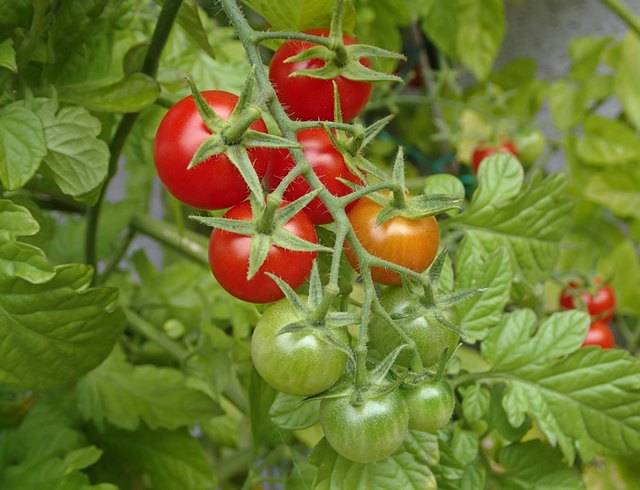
130 94
476 268
500 178
475 402
287 412
465 444
535 466
585 400
8 55
440 23
586 53
530 225
63 327
76 157
568 102
513 343
607 142
300 15
407 468
480 32
22 146
125 395
617 189
628 78
171 460
19 259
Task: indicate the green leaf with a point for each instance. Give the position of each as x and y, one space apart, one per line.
261 397
617 189
480 33
8 55
586 53
46 451
440 24
77 158
189 19
287 412
628 79
130 94
584 398
407 468
124 395
465 444
475 402
171 460
63 327
535 466
19 259
476 268
300 15
22 146
607 142
568 102
529 225
444 184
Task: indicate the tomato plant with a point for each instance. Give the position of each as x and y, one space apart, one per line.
600 334
229 259
485 150
326 162
294 92
431 405
598 299
214 183
431 338
367 432
412 243
296 363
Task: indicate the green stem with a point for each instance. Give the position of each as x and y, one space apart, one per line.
363 333
187 243
259 36
265 222
623 11
117 256
233 134
29 43
415 361
149 67
145 328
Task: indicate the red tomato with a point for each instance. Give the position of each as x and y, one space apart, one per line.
483 152
311 99
229 259
601 304
412 243
328 165
215 183
600 334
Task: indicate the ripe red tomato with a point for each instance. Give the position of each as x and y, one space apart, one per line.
328 165
600 334
484 151
311 99
600 304
215 183
229 259
412 243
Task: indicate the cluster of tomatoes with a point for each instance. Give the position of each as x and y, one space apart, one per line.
599 300
302 362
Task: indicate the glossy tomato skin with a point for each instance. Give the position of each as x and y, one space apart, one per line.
430 404
600 334
295 363
327 163
431 338
484 151
412 243
310 99
368 432
215 183
229 259
601 305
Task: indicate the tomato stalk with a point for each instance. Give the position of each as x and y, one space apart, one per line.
265 222
238 128
149 67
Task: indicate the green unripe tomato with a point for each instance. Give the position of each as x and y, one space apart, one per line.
431 338
530 144
368 432
430 405
296 363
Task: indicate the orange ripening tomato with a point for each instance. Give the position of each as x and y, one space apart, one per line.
411 243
